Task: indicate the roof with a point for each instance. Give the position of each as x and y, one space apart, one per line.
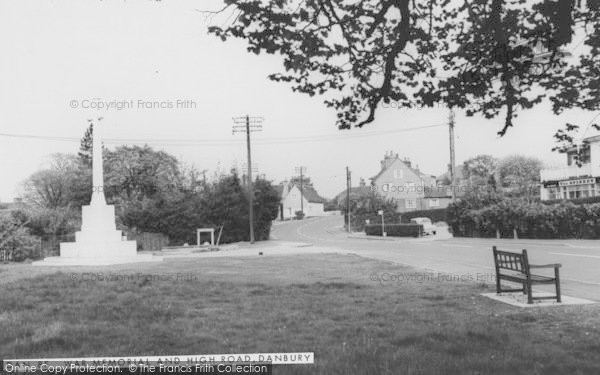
279 189
354 191
413 170
459 174
310 193
438 192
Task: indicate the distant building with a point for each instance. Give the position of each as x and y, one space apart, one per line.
312 203
356 192
16 204
575 180
408 186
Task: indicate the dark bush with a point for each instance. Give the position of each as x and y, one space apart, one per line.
395 230
585 200
528 219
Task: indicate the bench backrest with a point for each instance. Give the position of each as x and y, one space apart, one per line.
511 261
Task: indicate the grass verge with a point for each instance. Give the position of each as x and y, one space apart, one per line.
325 304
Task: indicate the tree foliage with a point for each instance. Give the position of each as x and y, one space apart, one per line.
152 192
366 205
520 176
16 241
480 170
478 55
86 146
529 219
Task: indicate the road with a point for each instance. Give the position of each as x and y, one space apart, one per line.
459 257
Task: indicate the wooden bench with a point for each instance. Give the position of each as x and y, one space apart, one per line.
515 267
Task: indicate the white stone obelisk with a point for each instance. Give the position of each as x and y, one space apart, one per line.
97 167
98 242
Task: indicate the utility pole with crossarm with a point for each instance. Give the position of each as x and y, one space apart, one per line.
247 124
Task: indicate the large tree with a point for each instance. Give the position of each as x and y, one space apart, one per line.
480 173
519 176
138 172
479 55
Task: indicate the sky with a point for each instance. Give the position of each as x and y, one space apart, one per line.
61 59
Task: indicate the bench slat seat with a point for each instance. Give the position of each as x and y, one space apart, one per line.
515 267
522 277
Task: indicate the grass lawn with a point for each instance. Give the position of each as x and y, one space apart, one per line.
325 304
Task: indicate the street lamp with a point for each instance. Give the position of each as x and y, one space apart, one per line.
380 212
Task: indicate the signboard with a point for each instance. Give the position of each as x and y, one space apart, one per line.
583 181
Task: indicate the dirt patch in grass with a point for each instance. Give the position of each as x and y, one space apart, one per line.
327 304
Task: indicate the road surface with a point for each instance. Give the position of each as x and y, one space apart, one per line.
458 257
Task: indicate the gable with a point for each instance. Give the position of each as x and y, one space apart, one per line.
396 172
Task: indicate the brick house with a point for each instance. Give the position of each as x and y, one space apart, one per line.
408 186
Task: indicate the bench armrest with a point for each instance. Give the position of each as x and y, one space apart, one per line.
553 265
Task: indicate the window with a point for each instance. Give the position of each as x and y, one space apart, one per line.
553 193
411 203
398 173
434 202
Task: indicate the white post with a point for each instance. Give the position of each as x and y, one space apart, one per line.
380 212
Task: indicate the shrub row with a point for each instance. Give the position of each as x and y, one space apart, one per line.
585 200
530 220
395 230
437 214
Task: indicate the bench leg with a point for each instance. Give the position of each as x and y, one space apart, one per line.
498 288
524 288
557 282
529 294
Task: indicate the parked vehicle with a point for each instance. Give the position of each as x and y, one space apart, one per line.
428 227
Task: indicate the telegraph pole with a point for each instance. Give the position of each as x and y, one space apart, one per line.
301 170
452 161
247 124
348 199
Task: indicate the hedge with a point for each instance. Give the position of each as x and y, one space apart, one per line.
585 200
530 220
437 214
395 230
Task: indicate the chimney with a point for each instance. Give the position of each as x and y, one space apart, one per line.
362 182
407 162
388 159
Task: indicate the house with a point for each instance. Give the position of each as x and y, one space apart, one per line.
580 178
299 197
438 197
460 186
356 192
408 186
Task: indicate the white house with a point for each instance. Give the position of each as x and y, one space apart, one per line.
573 180
291 198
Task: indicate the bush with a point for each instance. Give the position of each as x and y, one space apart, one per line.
366 207
395 230
530 220
437 214
16 242
299 215
585 200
